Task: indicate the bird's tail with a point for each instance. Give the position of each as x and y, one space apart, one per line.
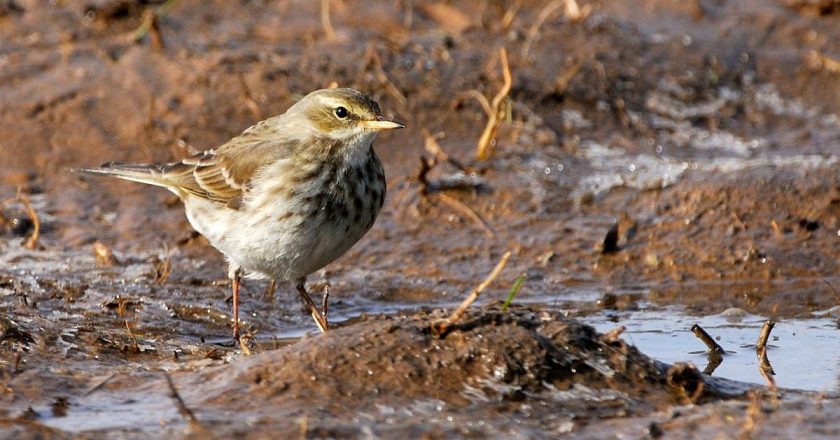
148 174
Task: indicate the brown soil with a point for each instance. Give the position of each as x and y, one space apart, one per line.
707 131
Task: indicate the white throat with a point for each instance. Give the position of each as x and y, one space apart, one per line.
357 151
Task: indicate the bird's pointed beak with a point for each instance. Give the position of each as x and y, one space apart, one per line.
381 123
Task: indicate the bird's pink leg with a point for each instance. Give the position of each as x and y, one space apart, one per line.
236 282
320 319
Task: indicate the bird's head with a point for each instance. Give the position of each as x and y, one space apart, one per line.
343 114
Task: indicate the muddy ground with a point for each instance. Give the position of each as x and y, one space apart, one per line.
704 134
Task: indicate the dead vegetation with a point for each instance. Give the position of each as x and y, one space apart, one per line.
442 327
103 254
497 109
162 266
464 179
571 11
716 352
326 22
818 61
583 87
27 225
151 24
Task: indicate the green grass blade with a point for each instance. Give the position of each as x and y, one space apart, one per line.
513 291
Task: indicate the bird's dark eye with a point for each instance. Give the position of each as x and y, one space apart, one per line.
341 112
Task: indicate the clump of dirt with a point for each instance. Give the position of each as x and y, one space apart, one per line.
538 367
503 356
672 153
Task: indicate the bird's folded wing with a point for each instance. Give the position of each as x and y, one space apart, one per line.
207 175
222 175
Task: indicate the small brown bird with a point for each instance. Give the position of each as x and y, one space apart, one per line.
287 196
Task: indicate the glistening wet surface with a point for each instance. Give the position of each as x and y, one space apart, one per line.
803 353
659 164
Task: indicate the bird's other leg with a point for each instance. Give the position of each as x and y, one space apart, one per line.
320 319
325 301
269 291
235 275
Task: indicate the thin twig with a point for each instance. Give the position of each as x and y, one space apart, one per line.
372 60
329 31
31 241
430 142
510 14
163 267
765 368
485 104
185 411
426 165
250 102
150 23
100 384
613 334
708 340
135 347
485 142
828 283
561 83
244 340
715 359
150 116
440 328
571 11
469 212
535 28
764 335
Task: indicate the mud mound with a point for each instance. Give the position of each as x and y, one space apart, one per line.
706 129
522 362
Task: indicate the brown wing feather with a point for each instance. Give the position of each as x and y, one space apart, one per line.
203 175
225 174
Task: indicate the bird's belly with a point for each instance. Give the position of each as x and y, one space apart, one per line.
317 248
280 245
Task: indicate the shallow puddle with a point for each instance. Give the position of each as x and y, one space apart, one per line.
131 411
686 149
804 353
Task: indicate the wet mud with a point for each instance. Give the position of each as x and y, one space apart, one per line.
658 164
